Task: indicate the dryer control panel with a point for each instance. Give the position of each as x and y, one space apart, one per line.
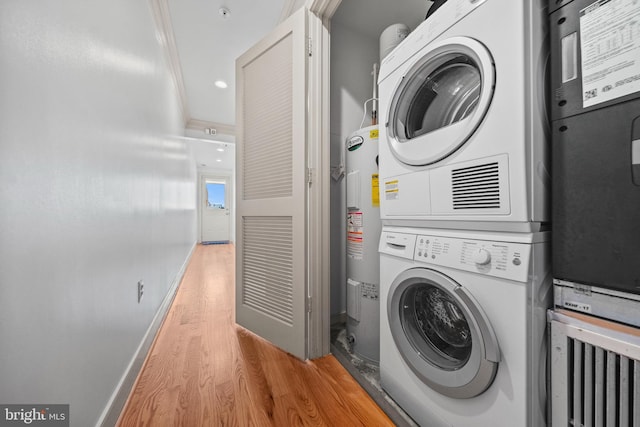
500 259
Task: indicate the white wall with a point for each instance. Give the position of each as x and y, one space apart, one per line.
97 191
352 59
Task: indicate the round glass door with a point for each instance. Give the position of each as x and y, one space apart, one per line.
442 333
440 102
435 325
447 95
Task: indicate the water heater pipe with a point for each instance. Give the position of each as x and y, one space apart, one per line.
374 108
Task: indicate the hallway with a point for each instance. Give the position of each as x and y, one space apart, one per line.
204 370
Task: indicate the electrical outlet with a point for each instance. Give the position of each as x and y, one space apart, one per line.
140 290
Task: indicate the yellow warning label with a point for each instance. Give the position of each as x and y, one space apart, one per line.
375 191
373 134
391 190
391 185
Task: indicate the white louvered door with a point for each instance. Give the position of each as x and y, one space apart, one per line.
271 190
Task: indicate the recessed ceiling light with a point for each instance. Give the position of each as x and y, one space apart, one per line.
221 149
221 84
218 160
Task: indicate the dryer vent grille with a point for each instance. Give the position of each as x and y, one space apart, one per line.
476 187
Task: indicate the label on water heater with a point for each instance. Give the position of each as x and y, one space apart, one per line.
610 48
355 235
375 191
355 143
369 290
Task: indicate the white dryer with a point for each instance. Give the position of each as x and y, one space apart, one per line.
464 127
462 325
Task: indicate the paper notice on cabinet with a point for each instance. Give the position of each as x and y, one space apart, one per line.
610 47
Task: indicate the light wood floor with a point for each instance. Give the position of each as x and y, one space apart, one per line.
204 370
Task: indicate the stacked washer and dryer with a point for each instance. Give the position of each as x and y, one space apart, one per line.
464 190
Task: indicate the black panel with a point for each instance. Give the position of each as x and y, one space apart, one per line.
596 205
555 4
566 98
635 138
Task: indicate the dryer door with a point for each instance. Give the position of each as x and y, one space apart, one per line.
440 102
442 333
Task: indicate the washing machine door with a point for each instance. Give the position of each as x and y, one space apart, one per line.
442 333
440 101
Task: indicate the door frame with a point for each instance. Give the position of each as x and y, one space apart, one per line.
203 176
319 200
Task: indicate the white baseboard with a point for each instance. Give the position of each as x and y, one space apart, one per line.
120 395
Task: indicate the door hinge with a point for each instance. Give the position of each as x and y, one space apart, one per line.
309 46
309 299
309 175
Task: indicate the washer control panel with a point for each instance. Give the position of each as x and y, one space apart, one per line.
501 259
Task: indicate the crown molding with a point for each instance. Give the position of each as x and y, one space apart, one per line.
323 8
287 9
164 27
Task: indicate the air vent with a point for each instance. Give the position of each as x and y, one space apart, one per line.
602 390
476 187
595 372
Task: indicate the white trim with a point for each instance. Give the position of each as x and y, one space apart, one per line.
323 8
120 395
162 18
318 222
287 10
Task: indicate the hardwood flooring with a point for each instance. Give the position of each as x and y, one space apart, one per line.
204 370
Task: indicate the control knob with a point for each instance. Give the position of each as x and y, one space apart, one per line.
482 257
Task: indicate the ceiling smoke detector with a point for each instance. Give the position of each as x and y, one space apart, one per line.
224 12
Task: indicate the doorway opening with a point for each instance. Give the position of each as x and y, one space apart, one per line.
215 209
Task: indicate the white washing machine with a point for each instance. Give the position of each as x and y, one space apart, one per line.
464 126
462 325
